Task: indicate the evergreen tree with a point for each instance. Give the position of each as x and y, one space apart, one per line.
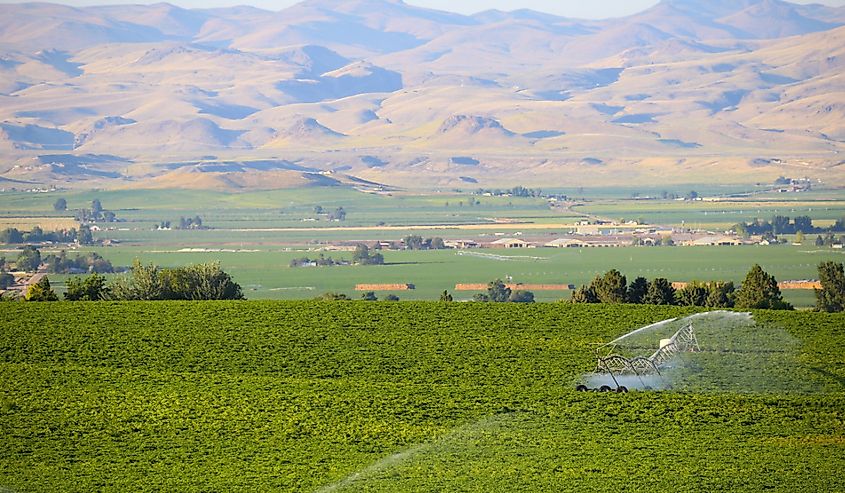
611 288
721 295
831 297
693 294
445 296
637 290
585 294
60 205
660 292
369 296
760 290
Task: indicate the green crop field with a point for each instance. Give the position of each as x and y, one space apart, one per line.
353 396
280 209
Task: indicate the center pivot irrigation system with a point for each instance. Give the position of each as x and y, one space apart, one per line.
641 369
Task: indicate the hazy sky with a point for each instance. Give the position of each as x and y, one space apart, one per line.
570 8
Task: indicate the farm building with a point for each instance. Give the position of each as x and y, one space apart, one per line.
461 244
567 243
715 241
591 242
510 243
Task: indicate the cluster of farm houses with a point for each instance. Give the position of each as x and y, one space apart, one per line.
602 241
518 240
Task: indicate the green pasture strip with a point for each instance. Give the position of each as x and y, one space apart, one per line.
265 272
681 190
712 214
310 396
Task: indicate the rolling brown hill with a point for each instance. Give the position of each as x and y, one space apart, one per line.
687 91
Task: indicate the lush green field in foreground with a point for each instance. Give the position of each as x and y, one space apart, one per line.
305 396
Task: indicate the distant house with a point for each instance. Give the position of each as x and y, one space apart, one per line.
510 243
461 244
716 241
567 243
591 242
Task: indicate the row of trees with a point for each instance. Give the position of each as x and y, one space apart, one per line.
338 214
416 242
827 240
13 236
184 223
499 292
193 282
662 241
368 296
321 261
363 256
517 191
759 290
783 225
90 262
147 282
30 259
94 214
92 288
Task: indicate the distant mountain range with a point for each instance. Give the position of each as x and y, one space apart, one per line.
378 91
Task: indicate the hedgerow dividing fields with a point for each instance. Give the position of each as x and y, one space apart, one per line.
310 396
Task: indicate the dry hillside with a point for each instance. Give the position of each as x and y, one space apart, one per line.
159 96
